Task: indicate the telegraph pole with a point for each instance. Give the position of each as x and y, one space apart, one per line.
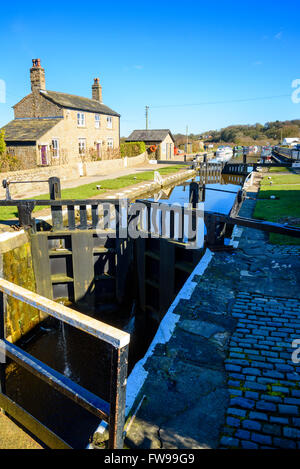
146 114
187 138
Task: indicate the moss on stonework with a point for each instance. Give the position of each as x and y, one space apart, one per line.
17 268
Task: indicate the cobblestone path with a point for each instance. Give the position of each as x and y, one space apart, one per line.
263 381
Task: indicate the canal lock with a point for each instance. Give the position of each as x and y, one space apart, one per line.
128 284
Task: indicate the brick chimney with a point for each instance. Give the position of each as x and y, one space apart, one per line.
37 76
97 90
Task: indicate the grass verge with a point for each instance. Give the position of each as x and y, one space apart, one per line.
87 191
284 209
278 169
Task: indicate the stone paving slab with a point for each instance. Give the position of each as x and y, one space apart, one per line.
13 437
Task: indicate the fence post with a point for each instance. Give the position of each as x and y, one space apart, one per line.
194 194
55 194
24 212
210 223
119 362
54 188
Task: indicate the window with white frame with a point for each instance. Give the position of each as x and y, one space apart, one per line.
109 122
82 146
55 148
80 119
110 143
97 121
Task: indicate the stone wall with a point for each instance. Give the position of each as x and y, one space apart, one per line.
98 167
17 268
65 173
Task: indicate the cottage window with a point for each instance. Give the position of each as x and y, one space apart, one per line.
82 146
110 143
109 122
55 148
97 121
80 119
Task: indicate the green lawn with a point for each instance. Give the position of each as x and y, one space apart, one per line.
286 188
278 169
89 190
281 179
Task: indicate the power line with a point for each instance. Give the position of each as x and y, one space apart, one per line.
204 103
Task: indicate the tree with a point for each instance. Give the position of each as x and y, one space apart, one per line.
2 143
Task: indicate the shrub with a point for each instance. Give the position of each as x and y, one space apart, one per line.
9 162
132 148
2 143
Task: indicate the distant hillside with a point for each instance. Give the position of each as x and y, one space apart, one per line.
271 132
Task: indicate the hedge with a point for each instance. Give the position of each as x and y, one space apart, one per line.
132 148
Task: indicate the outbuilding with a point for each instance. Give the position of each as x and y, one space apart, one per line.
162 139
291 141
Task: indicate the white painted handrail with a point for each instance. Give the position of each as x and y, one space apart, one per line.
116 337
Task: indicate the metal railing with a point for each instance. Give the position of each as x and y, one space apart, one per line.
112 412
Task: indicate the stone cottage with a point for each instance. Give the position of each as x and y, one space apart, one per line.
162 139
57 128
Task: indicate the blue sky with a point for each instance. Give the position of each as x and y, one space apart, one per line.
159 53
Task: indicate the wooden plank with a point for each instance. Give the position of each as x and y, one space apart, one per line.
95 217
106 216
172 224
124 257
83 265
41 265
35 427
58 381
119 363
71 217
181 225
258 224
141 275
83 217
57 217
166 274
59 203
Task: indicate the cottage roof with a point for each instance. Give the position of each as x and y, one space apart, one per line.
27 130
80 103
156 135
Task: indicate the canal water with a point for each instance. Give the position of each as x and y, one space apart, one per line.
85 359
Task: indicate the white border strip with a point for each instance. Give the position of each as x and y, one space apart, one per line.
138 375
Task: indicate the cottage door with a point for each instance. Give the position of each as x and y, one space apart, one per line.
98 150
44 154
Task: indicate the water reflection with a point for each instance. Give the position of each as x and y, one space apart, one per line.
218 201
